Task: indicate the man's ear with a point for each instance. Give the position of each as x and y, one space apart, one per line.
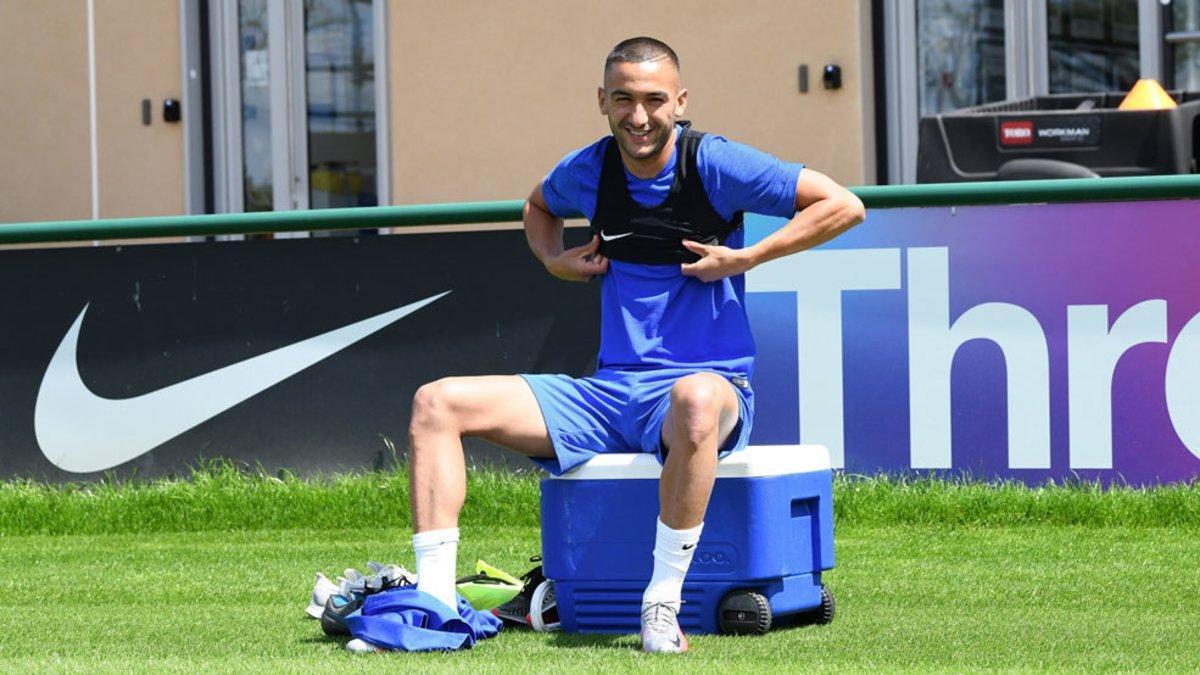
680 102
602 100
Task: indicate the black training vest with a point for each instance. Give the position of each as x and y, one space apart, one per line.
632 233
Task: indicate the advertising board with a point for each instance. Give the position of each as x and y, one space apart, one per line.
1024 341
1032 342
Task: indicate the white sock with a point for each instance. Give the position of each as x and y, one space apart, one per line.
673 551
437 557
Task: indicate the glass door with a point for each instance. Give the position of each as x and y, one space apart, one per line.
942 55
339 66
1092 45
1183 44
960 53
254 62
300 120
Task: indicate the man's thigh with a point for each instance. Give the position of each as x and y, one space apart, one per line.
584 416
500 409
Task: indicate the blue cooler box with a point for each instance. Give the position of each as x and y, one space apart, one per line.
768 530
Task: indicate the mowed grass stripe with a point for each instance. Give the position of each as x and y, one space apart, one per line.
221 497
909 598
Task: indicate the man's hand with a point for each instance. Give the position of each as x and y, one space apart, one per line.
578 264
716 262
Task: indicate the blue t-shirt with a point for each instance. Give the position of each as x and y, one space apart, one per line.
652 316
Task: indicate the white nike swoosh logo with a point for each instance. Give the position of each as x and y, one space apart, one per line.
611 237
81 432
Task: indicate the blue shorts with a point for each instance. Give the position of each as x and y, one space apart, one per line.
619 411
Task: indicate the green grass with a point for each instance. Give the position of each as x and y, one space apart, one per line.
222 497
212 574
909 598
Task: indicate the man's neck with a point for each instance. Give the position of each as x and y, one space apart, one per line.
651 166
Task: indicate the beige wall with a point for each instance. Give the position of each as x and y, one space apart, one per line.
138 56
487 95
45 156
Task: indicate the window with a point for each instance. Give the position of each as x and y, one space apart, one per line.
299 119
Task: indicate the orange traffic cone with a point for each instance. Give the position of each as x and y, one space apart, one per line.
1147 94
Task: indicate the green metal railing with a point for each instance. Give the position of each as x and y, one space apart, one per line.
885 196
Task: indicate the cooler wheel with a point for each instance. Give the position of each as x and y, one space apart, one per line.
744 613
824 614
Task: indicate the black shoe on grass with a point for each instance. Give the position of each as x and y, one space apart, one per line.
516 611
337 608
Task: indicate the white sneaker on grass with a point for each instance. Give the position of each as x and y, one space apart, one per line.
661 633
384 577
320 593
380 577
359 646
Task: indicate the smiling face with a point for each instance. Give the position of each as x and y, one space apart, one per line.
642 102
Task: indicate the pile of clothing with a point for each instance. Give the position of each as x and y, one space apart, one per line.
383 610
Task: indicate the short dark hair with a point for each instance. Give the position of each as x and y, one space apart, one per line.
640 50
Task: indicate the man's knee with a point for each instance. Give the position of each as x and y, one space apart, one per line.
696 405
433 407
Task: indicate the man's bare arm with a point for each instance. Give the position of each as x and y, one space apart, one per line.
824 210
544 232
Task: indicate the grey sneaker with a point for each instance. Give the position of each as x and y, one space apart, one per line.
660 629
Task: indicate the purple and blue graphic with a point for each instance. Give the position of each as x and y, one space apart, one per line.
1028 342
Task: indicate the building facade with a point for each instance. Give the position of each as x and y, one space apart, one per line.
119 108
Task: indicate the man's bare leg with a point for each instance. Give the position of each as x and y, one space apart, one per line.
500 409
703 413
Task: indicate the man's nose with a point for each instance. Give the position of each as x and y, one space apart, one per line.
640 117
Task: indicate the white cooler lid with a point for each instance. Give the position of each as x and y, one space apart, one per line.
753 461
